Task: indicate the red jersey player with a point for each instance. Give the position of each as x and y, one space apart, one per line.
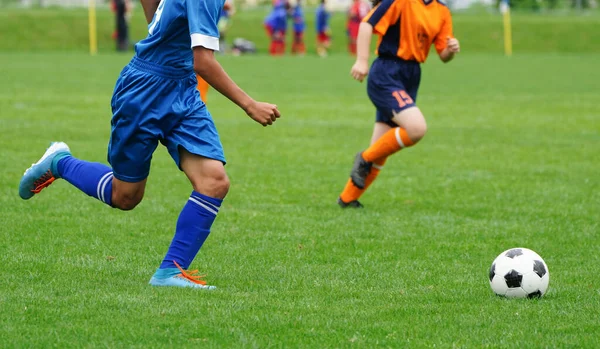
358 10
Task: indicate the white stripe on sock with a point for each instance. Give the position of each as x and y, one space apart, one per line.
208 208
104 186
398 138
206 202
377 166
100 189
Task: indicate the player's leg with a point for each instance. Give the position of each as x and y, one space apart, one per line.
352 37
321 45
97 180
269 31
133 140
92 178
351 193
411 129
279 40
210 184
298 46
195 146
396 107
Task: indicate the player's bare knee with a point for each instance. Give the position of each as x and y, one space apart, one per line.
416 131
126 202
221 187
216 185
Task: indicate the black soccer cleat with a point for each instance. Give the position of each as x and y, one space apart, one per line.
351 204
360 171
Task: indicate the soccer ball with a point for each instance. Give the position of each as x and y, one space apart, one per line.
519 273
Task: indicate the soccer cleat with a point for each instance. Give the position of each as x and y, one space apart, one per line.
352 204
360 171
43 173
177 277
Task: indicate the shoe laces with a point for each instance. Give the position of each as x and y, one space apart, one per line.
45 180
185 274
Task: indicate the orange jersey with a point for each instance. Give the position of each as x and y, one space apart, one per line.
408 28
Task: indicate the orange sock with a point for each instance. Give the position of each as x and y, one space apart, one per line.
391 141
202 87
352 192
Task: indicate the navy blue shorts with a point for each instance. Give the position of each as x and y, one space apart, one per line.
152 104
392 86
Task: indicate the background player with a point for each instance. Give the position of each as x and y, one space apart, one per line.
155 99
358 10
406 30
276 25
298 46
225 23
323 31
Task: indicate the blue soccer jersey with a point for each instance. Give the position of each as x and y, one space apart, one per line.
178 26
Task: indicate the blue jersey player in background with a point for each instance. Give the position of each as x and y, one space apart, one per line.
156 100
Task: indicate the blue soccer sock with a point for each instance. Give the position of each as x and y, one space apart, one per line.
92 178
193 227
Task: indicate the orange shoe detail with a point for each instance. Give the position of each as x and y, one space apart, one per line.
188 275
45 180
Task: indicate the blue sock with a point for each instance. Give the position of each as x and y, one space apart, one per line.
193 227
92 178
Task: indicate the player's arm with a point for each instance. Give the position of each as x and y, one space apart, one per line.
360 69
446 45
149 7
203 17
452 48
207 66
377 21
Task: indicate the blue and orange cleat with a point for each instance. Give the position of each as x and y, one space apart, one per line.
43 173
177 277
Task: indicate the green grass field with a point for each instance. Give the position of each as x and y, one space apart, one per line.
511 159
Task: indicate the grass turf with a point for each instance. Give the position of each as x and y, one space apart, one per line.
510 160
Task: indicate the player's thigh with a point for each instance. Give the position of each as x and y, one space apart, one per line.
208 176
387 92
135 126
194 145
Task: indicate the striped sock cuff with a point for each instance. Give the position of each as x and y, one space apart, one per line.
208 203
104 188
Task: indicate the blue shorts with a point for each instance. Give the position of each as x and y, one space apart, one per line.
392 86
153 103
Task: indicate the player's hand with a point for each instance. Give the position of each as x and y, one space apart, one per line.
360 69
452 44
263 113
